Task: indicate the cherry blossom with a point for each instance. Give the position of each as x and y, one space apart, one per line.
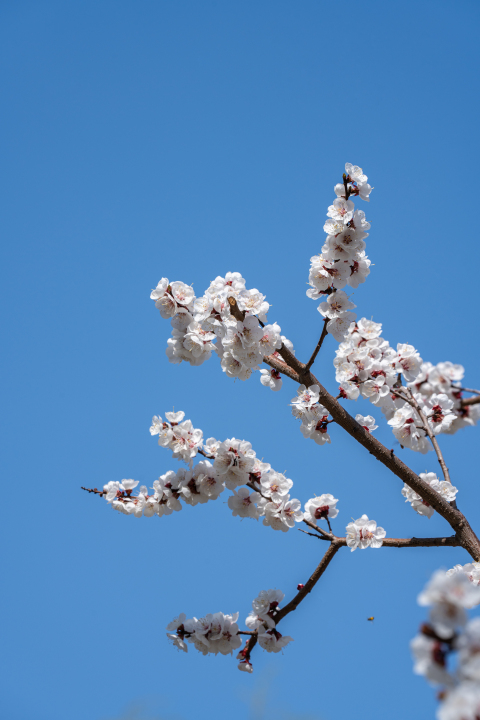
367 422
242 503
363 533
320 507
271 378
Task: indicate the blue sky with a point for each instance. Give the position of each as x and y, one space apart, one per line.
186 139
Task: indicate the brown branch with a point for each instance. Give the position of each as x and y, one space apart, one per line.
454 517
327 536
451 541
462 389
319 344
465 402
250 645
311 582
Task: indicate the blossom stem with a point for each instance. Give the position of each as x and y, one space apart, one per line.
430 434
319 344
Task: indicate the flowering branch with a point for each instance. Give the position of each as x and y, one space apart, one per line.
452 541
235 319
454 517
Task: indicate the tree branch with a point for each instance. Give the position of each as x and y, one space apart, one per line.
451 541
465 402
454 517
311 582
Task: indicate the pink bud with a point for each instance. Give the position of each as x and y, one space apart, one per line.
300 586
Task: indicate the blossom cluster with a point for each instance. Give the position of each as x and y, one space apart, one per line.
314 416
442 487
445 379
230 464
366 365
265 607
202 325
343 260
181 437
449 594
215 633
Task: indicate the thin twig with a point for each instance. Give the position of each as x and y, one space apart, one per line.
328 536
431 435
319 344
462 389
315 535
92 490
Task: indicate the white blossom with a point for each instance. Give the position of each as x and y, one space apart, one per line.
242 503
363 533
451 589
429 657
320 507
271 378
234 461
367 422
273 641
461 703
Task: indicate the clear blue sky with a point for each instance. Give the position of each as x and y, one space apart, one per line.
186 139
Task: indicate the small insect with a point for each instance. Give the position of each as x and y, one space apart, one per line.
371 618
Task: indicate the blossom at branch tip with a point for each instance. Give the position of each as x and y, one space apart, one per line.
363 533
215 633
320 507
246 666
